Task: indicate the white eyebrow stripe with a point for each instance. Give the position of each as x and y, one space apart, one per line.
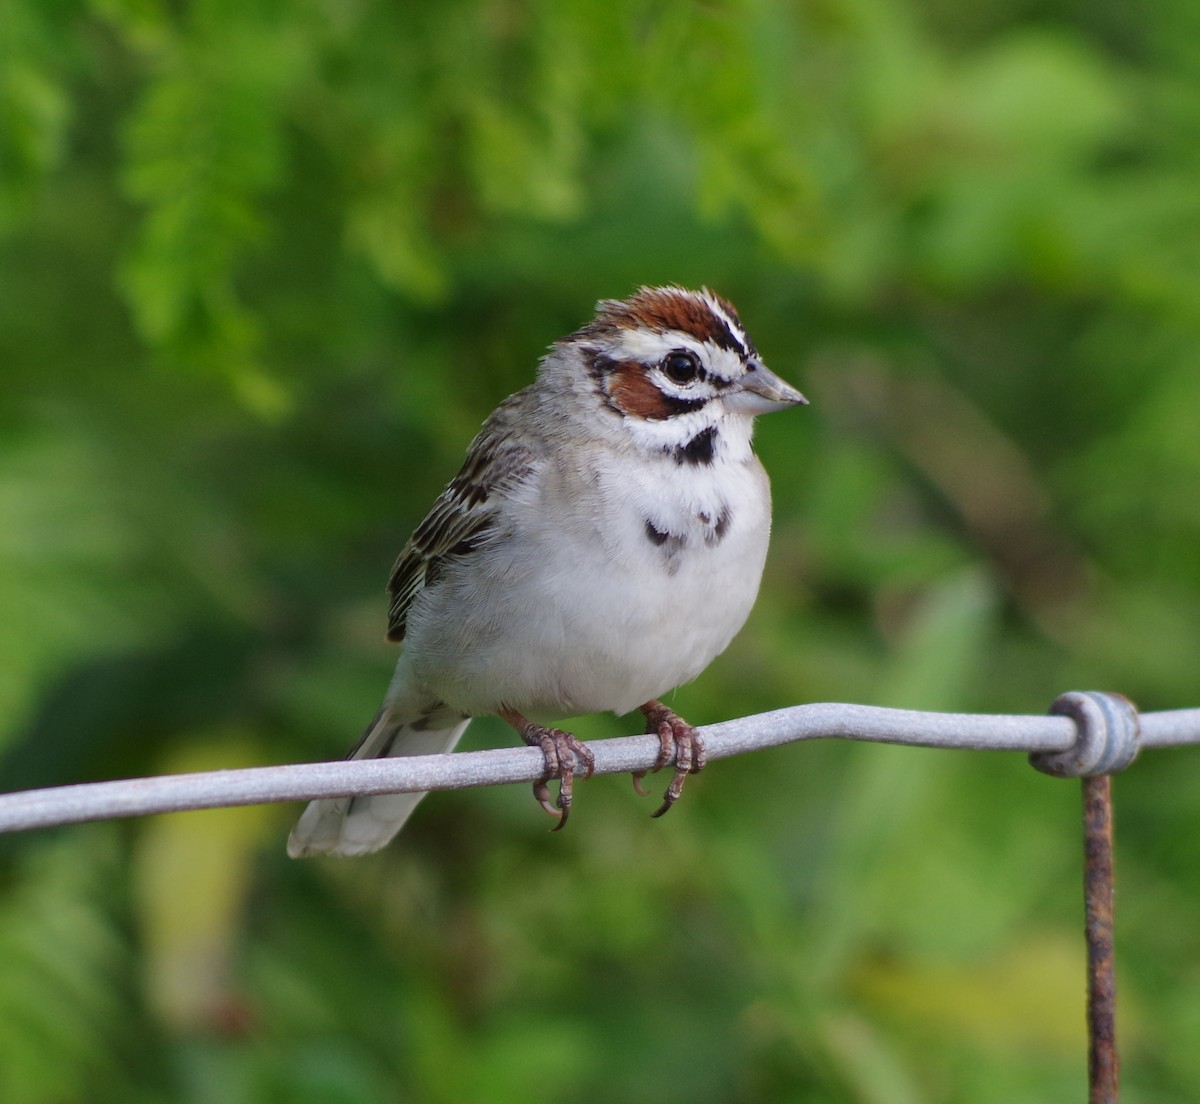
650 346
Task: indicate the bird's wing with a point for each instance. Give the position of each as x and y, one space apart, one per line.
464 515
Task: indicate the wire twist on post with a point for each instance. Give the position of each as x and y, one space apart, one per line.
1108 735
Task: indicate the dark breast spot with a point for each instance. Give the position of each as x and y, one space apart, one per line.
715 532
700 450
657 536
670 544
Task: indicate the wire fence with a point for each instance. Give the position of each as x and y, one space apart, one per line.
1062 743
1087 735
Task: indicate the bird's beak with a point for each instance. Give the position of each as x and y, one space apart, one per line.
762 391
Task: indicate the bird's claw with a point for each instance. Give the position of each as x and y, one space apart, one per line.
559 749
675 736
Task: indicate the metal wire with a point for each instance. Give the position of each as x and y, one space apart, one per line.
45 808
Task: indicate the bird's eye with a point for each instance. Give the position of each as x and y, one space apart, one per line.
681 366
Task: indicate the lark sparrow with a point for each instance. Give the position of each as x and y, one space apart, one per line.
601 545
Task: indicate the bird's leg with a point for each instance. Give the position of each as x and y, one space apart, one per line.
676 736
559 749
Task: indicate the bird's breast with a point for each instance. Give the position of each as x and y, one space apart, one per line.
610 588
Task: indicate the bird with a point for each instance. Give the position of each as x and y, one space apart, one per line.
602 543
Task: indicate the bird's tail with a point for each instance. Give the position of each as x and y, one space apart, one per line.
360 825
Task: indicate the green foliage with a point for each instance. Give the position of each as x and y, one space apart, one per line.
63 998
264 267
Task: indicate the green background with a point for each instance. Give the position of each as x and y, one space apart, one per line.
265 266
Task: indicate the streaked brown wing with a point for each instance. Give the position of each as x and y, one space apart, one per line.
463 516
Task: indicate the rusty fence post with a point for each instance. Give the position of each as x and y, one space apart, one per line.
1108 738
1103 1062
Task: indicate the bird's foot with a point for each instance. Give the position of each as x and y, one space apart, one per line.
675 737
559 749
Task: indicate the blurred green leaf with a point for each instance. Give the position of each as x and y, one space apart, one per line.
192 875
62 997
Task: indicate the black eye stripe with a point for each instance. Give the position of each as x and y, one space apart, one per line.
681 406
605 369
694 373
701 374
